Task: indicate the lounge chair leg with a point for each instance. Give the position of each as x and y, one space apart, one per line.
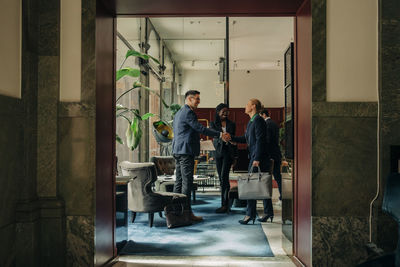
151 219
160 213
133 216
194 196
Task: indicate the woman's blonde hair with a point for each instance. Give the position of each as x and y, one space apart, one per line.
257 103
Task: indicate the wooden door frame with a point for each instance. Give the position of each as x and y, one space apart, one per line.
105 165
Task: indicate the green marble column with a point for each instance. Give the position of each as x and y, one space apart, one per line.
385 228
76 146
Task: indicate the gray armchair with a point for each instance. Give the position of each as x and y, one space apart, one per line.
141 197
165 165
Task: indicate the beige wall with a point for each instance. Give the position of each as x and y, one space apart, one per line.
10 48
352 50
70 45
266 85
205 81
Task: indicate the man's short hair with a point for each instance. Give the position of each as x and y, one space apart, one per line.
265 111
191 93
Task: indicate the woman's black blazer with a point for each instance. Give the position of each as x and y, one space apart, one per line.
220 146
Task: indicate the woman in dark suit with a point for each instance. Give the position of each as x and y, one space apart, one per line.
225 152
255 137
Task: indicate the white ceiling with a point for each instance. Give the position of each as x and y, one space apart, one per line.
197 43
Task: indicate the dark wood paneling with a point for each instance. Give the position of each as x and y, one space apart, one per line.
302 156
206 7
105 136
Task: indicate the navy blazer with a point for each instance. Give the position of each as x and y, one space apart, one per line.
273 140
187 130
255 137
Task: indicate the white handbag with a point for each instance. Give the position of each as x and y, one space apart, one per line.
255 185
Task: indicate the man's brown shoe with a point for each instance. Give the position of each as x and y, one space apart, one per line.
195 218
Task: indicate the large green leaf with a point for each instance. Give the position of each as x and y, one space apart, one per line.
129 136
137 133
147 115
141 55
127 71
136 54
133 134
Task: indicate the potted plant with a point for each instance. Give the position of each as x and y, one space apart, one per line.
134 116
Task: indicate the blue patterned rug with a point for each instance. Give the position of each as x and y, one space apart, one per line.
216 235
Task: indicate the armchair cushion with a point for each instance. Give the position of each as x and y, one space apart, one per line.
164 164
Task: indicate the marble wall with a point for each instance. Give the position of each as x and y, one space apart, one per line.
47 162
389 115
18 148
344 164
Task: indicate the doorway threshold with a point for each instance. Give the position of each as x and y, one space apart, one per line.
184 261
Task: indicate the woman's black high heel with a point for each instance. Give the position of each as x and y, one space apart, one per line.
246 221
265 218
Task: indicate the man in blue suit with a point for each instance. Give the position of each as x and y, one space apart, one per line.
186 144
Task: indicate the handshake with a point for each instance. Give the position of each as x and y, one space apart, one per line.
226 137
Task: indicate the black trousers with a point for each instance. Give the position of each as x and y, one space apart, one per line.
223 167
184 165
268 209
278 176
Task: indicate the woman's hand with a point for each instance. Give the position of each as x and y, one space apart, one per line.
256 163
234 163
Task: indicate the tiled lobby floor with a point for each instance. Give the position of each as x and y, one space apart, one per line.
273 232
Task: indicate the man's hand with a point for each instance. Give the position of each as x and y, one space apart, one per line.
226 137
256 163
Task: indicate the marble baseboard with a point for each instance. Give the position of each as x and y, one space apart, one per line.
339 241
7 241
80 241
27 243
52 235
